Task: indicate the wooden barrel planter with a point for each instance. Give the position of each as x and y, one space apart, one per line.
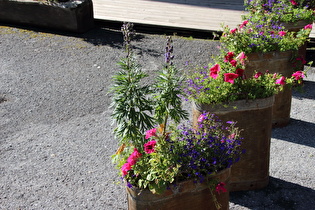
254 119
275 62
186 195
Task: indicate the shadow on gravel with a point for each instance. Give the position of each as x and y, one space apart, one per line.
279 194
306 92
304 133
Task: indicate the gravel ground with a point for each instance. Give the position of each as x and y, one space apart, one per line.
56 134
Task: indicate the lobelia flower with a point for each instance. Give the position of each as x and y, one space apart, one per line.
149 146
281 81
214 71
298 75
220 188
150 133
229 77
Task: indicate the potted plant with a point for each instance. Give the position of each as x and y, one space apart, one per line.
225 90
269 47
66 15
165 166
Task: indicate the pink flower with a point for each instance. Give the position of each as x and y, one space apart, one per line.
150 133
228 57
293 2
242 57
229 77
214 71
301 59
309 26
233 31
132 159
201 118
281 81
149 146
257 75
220 188
233 62
282 33
244 23
125 168
298 75
240 72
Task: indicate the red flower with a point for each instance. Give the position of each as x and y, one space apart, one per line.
214 71
233 62
282 33
229 56
132 159
244 23
149 146
220 188
240 72
301 59
150 133
242 57
298 75
281 81
233 31
293 2
229 77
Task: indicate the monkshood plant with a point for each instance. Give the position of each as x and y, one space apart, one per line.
262 35
225 81
137 105
184 153
281 11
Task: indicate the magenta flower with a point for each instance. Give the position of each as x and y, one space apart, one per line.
229 56
214 71
282 33
150 133
281 81
220 188
233 31
243 24
242 57
309 26
257 75
293 2
125 168
149 146
201 118
229 77
301 59
132 159
233 62
240 72
298 75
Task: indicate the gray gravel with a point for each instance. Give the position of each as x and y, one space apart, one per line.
55 127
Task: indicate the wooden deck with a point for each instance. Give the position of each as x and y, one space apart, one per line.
204 15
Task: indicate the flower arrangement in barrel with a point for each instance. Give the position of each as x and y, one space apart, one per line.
282 11
157 151
226 81
262 35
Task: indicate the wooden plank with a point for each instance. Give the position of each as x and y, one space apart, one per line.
185 14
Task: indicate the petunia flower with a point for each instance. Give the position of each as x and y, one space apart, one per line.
214 71
149 146
282 33
233 62
309 26
281 81
293 2
242 57
229 77
229 56
257 75
125 168
220 188
298 75
150 133
233 31
240 72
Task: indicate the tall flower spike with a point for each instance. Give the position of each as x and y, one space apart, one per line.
127 30
168 52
